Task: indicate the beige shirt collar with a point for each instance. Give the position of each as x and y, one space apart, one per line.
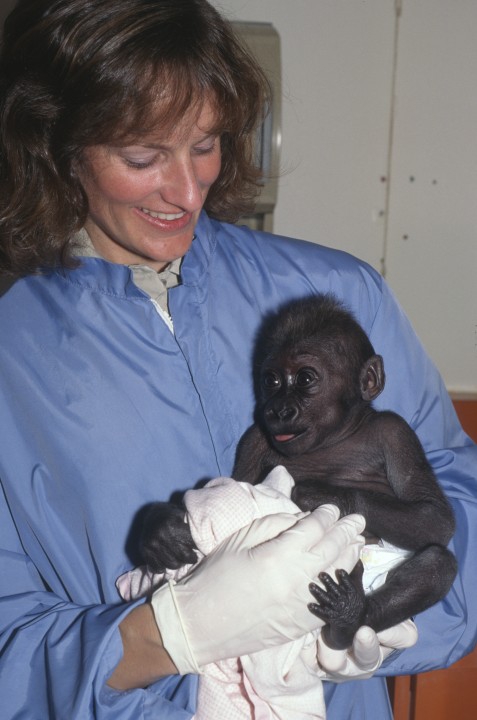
155 284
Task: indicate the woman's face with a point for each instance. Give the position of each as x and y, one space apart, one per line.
145 199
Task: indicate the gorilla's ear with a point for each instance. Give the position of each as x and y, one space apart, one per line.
372 378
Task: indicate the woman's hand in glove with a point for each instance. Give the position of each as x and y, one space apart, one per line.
368 652
252 592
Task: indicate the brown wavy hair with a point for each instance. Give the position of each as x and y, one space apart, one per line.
76 73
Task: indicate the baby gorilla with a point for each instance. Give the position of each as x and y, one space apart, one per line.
316 377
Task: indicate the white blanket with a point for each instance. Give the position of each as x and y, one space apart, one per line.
280 683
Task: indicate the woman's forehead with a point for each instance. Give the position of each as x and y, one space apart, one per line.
163 124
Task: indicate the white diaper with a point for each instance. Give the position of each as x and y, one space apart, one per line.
378 560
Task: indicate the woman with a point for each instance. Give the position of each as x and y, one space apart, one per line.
126 345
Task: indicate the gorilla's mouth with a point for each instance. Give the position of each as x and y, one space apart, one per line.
287 437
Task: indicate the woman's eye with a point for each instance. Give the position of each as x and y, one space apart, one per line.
204 150
137 157
138 164
207 147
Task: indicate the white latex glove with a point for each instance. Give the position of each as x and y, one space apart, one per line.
251 592
367 654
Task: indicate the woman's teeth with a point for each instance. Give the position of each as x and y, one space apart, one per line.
163 216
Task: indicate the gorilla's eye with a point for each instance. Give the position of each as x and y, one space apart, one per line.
271 380
305 377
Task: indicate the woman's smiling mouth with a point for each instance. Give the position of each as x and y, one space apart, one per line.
163 215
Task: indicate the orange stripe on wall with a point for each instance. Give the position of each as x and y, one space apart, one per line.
467 411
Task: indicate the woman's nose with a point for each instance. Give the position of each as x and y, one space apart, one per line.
181 186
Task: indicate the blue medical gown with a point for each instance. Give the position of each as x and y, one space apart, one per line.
104 410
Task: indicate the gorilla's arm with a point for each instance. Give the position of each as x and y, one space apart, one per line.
418 514
254 458
166 539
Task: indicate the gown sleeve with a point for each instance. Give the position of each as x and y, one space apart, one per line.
56 656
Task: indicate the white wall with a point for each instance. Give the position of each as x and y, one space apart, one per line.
408 206
432 259
389 177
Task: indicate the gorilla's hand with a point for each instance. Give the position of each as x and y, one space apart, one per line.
166 538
